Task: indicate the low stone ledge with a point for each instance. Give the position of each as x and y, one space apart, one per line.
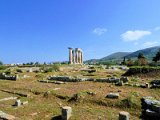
9 98
113 95
4 116
17 93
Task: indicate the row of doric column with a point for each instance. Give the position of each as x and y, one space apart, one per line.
75 56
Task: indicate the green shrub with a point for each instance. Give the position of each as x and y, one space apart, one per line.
141 69
8 72
2 67
131 102
40 76
53 68
19 70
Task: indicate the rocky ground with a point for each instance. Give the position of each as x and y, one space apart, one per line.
87 99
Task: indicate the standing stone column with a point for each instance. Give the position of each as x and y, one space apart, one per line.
79 57
76 58
70 56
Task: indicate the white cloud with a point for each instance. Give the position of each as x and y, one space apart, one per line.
99 31
150 44
134 35
157 28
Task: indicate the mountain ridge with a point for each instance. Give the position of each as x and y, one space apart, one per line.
149 53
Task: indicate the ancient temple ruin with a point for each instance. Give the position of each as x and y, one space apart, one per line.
75 56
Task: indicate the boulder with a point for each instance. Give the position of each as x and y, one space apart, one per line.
113 95
123 115
150 108
124 79
155 84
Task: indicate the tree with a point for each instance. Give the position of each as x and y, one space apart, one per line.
129 62
36 63
157 57
140 55
141 60
1 63
124 61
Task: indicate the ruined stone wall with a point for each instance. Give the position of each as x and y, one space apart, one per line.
3 76
72 79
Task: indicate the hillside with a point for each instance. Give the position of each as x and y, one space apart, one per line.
149 53
117 56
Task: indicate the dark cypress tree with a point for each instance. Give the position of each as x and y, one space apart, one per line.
157 57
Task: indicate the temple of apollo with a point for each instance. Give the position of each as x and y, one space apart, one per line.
75 56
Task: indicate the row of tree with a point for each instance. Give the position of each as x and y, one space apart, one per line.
141 60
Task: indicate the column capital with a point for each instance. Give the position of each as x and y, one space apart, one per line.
70 48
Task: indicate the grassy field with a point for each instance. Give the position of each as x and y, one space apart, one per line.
46 99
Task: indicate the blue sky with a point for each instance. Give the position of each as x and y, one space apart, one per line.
42 30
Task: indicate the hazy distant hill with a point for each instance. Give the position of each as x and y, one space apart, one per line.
117 56
149 53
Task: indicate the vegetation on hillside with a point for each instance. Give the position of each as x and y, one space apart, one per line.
157 56
118 57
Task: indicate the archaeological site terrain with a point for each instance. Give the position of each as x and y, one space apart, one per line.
92 92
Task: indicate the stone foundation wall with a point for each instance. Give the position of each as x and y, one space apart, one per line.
72 79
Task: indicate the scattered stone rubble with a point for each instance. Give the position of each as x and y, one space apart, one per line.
155 84
150 108
3 76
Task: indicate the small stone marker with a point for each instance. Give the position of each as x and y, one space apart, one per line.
18 103
123 115
66 112
147 85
